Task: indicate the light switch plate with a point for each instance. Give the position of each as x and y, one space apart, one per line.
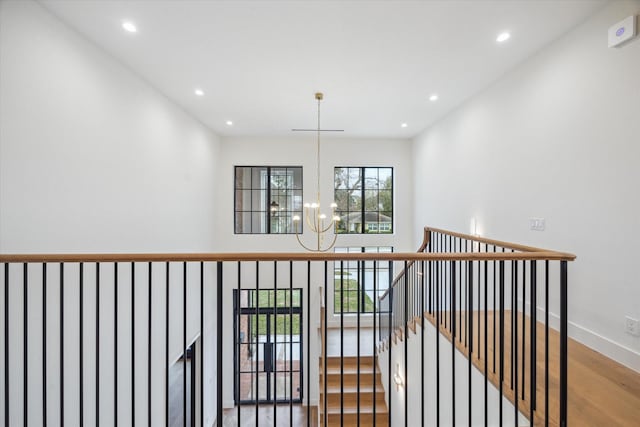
537 224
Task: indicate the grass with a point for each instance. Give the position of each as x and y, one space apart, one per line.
283 323
349 297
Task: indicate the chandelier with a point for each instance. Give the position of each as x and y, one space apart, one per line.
317 221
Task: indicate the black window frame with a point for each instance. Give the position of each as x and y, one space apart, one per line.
344 214
290 228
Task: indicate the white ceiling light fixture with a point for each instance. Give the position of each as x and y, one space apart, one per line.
199 92
433 97
317 221
404 125
503 37
129 26
229 123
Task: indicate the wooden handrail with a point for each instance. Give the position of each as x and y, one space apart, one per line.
285 256
537 253
526 253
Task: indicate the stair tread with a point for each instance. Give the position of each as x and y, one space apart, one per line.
364 388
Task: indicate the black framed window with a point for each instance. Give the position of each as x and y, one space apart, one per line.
364 196
354 285
267 198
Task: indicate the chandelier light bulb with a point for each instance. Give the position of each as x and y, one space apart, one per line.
296 218
322 216
314 206
336 218
334 205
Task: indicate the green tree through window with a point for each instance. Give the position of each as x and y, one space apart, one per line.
364 196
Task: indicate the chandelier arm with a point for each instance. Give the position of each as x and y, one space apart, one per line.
331 224
303 245
333 243
311 225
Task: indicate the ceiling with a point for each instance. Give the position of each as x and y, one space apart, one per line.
260 62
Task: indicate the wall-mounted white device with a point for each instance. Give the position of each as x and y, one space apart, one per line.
622 31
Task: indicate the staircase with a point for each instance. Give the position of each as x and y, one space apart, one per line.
345 396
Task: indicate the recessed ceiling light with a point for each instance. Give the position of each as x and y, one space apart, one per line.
229 123
433 97
129 26
404 125
199 92
503 37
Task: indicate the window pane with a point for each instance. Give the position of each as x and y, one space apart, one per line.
356 288
243 177
371 178
355 178
362 193
268 195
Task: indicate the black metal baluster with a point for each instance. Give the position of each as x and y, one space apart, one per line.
358 308
133 342
81 349
44 344
470 329
391 332
422 320
524 337
61 343
257 395
453 342
275 351
166 349
464 304
309 343
375 353
25 334
342 342
486 331
149 331
202 343
291 343
406 345
324 346
533 324
6 344
438 342
97 344
514 326
115 344
219 344
546 343
184 344
479 303
564 341
501 339
514 345
494 312
237 376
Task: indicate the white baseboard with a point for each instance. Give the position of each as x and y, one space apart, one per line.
613 350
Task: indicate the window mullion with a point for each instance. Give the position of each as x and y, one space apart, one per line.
268 200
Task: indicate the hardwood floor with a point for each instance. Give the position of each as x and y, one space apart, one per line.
601 392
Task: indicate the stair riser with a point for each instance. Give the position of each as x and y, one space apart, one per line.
351 400
352 420
350 380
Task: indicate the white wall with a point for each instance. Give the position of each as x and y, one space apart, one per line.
556 138
93 159
411 388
